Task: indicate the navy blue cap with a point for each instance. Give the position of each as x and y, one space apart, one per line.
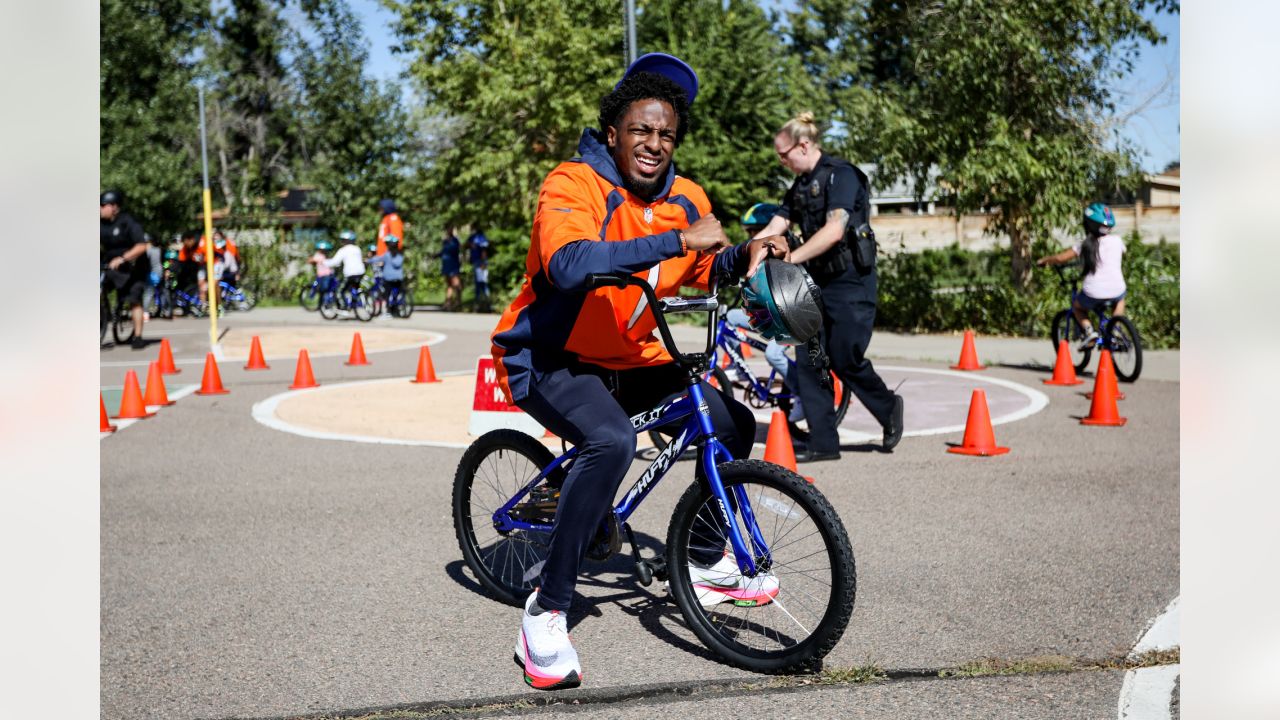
669 66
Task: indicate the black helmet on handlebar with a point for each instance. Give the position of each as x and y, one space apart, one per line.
783 302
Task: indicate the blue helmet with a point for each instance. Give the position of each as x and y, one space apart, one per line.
783 303
1098 216
324 245
759 215
347 236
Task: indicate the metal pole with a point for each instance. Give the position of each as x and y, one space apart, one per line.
629 19
210 281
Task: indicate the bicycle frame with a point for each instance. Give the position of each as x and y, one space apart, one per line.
736 361
696 430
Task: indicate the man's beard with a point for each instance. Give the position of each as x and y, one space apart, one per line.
644 189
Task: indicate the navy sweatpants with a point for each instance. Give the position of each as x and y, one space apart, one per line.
591 407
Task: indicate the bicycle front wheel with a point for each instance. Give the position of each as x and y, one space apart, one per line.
362 306
810 570
1126 348
1066 327
122 326
495 467
328 307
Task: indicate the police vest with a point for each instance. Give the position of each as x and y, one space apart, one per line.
809 207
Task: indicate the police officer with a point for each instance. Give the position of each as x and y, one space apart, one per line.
829 201
121 250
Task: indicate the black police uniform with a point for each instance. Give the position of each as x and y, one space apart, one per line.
116 238
848 298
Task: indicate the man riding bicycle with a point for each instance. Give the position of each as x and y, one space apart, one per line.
122 246
581 361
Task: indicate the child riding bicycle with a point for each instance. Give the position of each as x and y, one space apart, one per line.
1103 282
753 221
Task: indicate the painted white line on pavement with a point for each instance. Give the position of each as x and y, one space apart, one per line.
440 337
1038 402
123 423
1163 633
1148 693
265 413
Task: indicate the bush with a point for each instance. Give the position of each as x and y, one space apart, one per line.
951 290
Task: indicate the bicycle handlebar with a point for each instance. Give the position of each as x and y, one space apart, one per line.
671 304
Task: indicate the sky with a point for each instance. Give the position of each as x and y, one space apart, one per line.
1150 96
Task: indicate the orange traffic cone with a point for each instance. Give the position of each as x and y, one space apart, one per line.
968 354
1064 373
836 389
131 404
711 380
724 360
166 358
1104 411
979 438
104 425
426 368
211 384
302 377
777 447
256 360
746 350
156 394
1105 357
357 352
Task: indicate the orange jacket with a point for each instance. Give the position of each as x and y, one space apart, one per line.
391 225
586 222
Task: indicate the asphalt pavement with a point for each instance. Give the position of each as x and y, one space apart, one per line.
248 572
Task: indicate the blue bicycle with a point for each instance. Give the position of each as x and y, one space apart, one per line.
352 300
232 297
766 519
1116 333
730 370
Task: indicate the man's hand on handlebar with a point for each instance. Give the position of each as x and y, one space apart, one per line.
705 234
766 247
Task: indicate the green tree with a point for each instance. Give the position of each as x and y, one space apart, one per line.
354 134
748 86
149 134
508 86
253 105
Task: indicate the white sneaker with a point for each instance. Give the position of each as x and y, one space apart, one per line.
545 652
724 582
1090 339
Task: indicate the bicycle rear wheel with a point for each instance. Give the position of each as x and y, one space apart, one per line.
1066 327
122 325
362 306
309 298
1126 347
492 470
810 557
404 306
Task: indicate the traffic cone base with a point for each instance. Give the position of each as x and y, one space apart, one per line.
968 354
426 368
104 425
357 352
211 383
256 360
1064 372
166 358
156 395
131 404
979 438
303 378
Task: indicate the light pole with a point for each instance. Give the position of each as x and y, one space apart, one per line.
629 21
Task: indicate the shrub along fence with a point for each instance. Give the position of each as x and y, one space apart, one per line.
951 290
